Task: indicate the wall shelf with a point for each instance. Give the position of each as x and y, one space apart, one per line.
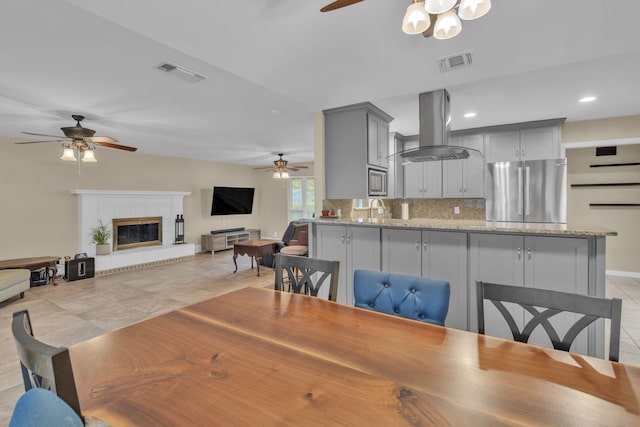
604 165
614 204
610 184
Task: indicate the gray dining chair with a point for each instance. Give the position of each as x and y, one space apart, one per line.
542 304
42 365
306 275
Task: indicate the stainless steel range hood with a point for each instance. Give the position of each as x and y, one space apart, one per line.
434 131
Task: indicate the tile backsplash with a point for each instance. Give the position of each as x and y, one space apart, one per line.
470 209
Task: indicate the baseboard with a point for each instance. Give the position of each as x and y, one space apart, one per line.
623 273
144 265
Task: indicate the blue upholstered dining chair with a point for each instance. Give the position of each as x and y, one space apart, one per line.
412 297
39 408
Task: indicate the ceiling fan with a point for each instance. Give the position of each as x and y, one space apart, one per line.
446 15
80 139
281 167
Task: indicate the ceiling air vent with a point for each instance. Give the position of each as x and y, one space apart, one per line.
454 62
182 72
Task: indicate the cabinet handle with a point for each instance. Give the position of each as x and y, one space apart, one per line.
519 251
424 245
349 239
528 253
342 238
418 244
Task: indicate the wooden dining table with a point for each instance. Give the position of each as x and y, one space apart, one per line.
258 357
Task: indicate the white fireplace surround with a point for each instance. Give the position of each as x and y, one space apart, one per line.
105 205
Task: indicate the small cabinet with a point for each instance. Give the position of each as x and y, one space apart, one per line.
377 141
434 254
464 178
556 263
354 247
423 180
524 144
356 137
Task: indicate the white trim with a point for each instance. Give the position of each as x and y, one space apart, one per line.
598 143
623 273
130 193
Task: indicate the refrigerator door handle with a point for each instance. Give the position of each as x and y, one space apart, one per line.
527 200
520 192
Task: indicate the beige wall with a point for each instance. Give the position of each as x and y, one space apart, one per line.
38 216
622 250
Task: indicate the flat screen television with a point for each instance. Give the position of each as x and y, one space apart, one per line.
232 200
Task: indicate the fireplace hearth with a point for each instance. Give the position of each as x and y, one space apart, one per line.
136 232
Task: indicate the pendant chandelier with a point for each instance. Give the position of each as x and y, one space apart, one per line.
419 14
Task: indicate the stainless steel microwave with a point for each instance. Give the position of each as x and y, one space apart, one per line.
377 182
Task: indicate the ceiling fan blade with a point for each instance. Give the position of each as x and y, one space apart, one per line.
100 139
338 4
44 134
264 168
37 142
298 166
110 145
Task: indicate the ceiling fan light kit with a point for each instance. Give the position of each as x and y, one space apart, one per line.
68 154
448 22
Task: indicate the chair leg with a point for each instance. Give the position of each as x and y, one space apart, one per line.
21 294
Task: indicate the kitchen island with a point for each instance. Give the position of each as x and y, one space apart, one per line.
569 258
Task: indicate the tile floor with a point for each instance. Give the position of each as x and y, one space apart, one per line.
76 311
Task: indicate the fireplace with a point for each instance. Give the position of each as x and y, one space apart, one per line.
136 232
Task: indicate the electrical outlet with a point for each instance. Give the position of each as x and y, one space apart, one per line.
456 210
275 234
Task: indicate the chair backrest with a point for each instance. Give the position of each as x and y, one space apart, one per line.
542 304
39 407
43 366
293 231
306 275
412 297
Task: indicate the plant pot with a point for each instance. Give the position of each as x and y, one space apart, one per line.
103 249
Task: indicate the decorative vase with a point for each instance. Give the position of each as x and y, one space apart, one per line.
103 249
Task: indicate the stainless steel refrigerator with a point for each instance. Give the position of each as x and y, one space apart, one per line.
527 191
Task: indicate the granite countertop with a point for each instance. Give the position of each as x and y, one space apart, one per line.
477 225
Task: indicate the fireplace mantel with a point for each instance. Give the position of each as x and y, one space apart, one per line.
105 205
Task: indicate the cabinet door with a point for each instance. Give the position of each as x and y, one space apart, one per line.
383 144
540 143
502 146
495 258
373 154
363 252
331 244
432 180
413 181
560 264
401 251
444 257
473 168
452 173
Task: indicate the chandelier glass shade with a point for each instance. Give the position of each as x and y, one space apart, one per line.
280 174
449 13
416 20
68 154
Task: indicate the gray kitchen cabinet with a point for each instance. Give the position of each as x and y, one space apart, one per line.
355 248
546 262
377 141
434 254
464 178
524 144
423 180
346 145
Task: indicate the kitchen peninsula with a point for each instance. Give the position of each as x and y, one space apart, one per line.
553 256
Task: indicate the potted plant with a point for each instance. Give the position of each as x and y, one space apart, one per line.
100 235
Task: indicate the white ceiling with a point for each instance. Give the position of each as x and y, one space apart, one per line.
272 63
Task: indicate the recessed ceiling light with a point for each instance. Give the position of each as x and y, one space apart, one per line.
588 99
469 115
